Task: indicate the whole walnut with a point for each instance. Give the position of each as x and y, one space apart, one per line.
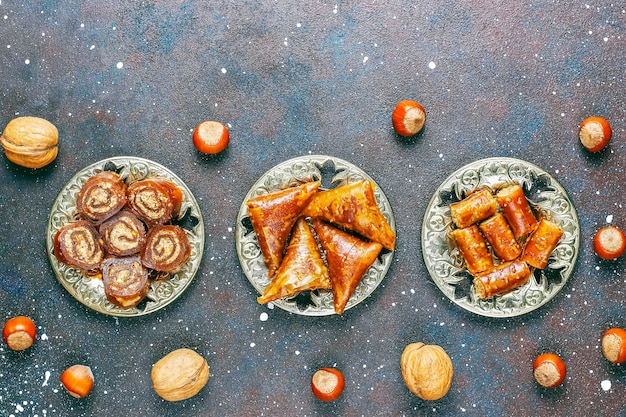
427 370
179 375
31 142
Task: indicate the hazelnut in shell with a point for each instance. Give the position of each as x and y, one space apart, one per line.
179 375
78 380
595 133
19 333
549 370
408 118
614 345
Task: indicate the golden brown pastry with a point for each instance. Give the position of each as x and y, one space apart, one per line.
348 259
125 281
500 236
102 195
502 278
516 209
302 268
473 249
273 216
353 207
541 244
475 207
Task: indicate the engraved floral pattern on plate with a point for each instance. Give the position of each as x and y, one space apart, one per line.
90 291
445 264
331 172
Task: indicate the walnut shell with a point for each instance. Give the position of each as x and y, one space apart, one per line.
427 370
179 375
31 142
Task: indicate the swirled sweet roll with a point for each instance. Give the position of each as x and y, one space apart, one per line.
101 197
541 244
78 245
516 210
123 234
473 249
475 207
500 236
154 200
125 281
167 248
503 278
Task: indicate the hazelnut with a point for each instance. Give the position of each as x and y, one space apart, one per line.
179 375
77 380
614 345
408 118
19 333
549 370
31 142
427 370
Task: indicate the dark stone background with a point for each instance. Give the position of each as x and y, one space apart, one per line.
510 79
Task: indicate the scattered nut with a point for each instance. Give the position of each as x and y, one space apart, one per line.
614 345
327 384
179 375
210 137
408 118
595 133
609 242
427 370
77 380
549 370
31 142
19 333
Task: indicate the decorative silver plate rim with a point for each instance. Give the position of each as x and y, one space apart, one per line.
294 172
444 263
90 291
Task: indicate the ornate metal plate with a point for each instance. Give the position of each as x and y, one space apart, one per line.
545 195
90 291
331 172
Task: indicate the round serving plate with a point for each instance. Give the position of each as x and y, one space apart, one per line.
445 264
332 172
90 290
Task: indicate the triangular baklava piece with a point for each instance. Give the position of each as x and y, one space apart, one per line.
353 207
302 268
348 257
273 216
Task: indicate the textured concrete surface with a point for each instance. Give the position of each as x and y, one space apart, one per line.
133 78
